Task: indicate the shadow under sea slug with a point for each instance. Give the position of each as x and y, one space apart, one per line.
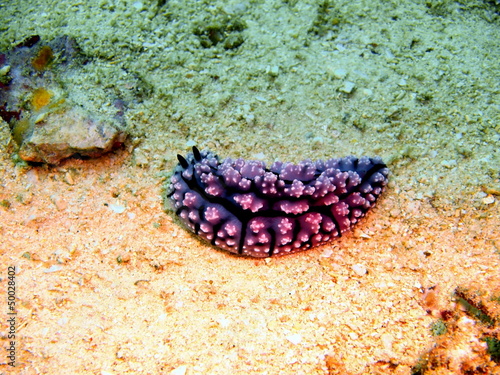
246 208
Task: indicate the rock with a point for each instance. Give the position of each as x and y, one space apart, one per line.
43 121
71 132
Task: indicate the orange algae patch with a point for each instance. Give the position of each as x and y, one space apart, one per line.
43 58
41 98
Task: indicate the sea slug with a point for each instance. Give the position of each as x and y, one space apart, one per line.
246 208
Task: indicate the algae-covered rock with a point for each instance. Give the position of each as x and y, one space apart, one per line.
72 132
46 121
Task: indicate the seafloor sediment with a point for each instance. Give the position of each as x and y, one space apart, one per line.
108 282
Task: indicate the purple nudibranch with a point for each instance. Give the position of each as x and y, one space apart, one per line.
245 208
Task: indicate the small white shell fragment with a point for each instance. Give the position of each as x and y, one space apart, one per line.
138 6
273 71
181 370
449 163
353 335
53 268
348 87
68 178
41 117
295 338
489 199
327 253
223 321
117 208
250 119
259 156
340 73
387 341
359 269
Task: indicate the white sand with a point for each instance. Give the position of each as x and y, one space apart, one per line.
423 85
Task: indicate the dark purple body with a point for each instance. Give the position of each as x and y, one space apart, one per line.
245 208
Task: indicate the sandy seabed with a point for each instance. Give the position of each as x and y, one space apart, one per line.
108 282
